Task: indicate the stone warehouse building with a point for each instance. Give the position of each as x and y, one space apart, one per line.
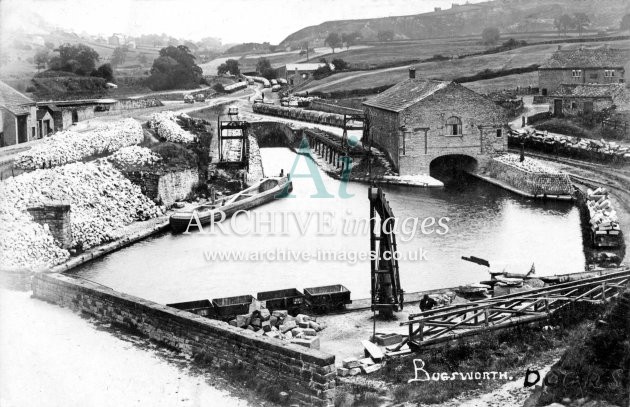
420 120
582 66
578 100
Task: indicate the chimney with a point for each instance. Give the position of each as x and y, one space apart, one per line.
412 73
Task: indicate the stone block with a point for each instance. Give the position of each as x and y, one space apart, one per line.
350 363
287 326
256 322
311 342
387 339
265 314
233 323
266 326
302 318
343 372
273 321
354 371
309 332
243 320
280 313
288 335
314 325
271 334
366 361
304 324
371 369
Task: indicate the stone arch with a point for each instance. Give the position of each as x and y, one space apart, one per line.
453 163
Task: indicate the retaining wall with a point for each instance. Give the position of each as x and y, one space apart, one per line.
165 187
57 217
308 375
531 183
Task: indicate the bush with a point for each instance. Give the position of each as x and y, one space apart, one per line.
218 87
175 155
322 72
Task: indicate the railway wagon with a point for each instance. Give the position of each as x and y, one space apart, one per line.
235 86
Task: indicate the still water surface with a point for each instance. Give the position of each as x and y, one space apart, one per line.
483 221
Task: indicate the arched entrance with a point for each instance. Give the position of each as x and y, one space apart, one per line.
452 166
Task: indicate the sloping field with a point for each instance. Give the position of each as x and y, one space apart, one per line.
505 82
447 70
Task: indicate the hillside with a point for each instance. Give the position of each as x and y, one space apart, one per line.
510 16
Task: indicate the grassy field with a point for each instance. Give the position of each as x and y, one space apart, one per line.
504 82
446 70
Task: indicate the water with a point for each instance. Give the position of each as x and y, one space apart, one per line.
483 221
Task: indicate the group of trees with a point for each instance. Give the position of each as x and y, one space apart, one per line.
263 67
566 22
78 59
230 66
490 35
175 68
336 40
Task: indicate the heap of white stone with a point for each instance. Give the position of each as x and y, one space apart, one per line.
134 155
165 124
69 146
529 164
101 199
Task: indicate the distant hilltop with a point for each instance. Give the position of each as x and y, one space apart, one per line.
509 16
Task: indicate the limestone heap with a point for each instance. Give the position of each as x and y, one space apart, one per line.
165 124
69 146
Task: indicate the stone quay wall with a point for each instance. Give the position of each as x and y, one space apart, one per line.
165 187
308 375
531 183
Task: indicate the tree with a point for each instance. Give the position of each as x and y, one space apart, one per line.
490 35
79 59
263 67
175 68
385 35
229 66
119 56
41 58
340 64
104 71
350 38
322 72
581 21
563 23
333 41
49 45
625 22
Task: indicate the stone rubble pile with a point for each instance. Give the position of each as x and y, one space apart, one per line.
102 202
602 216
69 146
166 126
134 155
301 329
530 164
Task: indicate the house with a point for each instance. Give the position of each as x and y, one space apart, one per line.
296 74
18 117
117 40
582 66
419 120
580 100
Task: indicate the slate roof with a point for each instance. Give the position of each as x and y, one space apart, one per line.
14 101
405 94
591 90
587 58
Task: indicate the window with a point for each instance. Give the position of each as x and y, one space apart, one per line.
573 105
453 126
609 73
499 133
544 92
576 73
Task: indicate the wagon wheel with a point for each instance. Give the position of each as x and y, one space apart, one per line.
324 308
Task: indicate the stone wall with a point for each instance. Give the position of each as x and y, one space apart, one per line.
128 104
308 375
165 187
57 217
531 183
331 108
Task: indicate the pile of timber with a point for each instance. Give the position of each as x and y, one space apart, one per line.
603 218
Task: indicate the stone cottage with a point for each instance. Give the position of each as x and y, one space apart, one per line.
578 100
420 120
18 117
582 66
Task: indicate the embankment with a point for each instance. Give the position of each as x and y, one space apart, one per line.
531 184
308 375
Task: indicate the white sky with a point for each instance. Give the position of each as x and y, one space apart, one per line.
231 20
